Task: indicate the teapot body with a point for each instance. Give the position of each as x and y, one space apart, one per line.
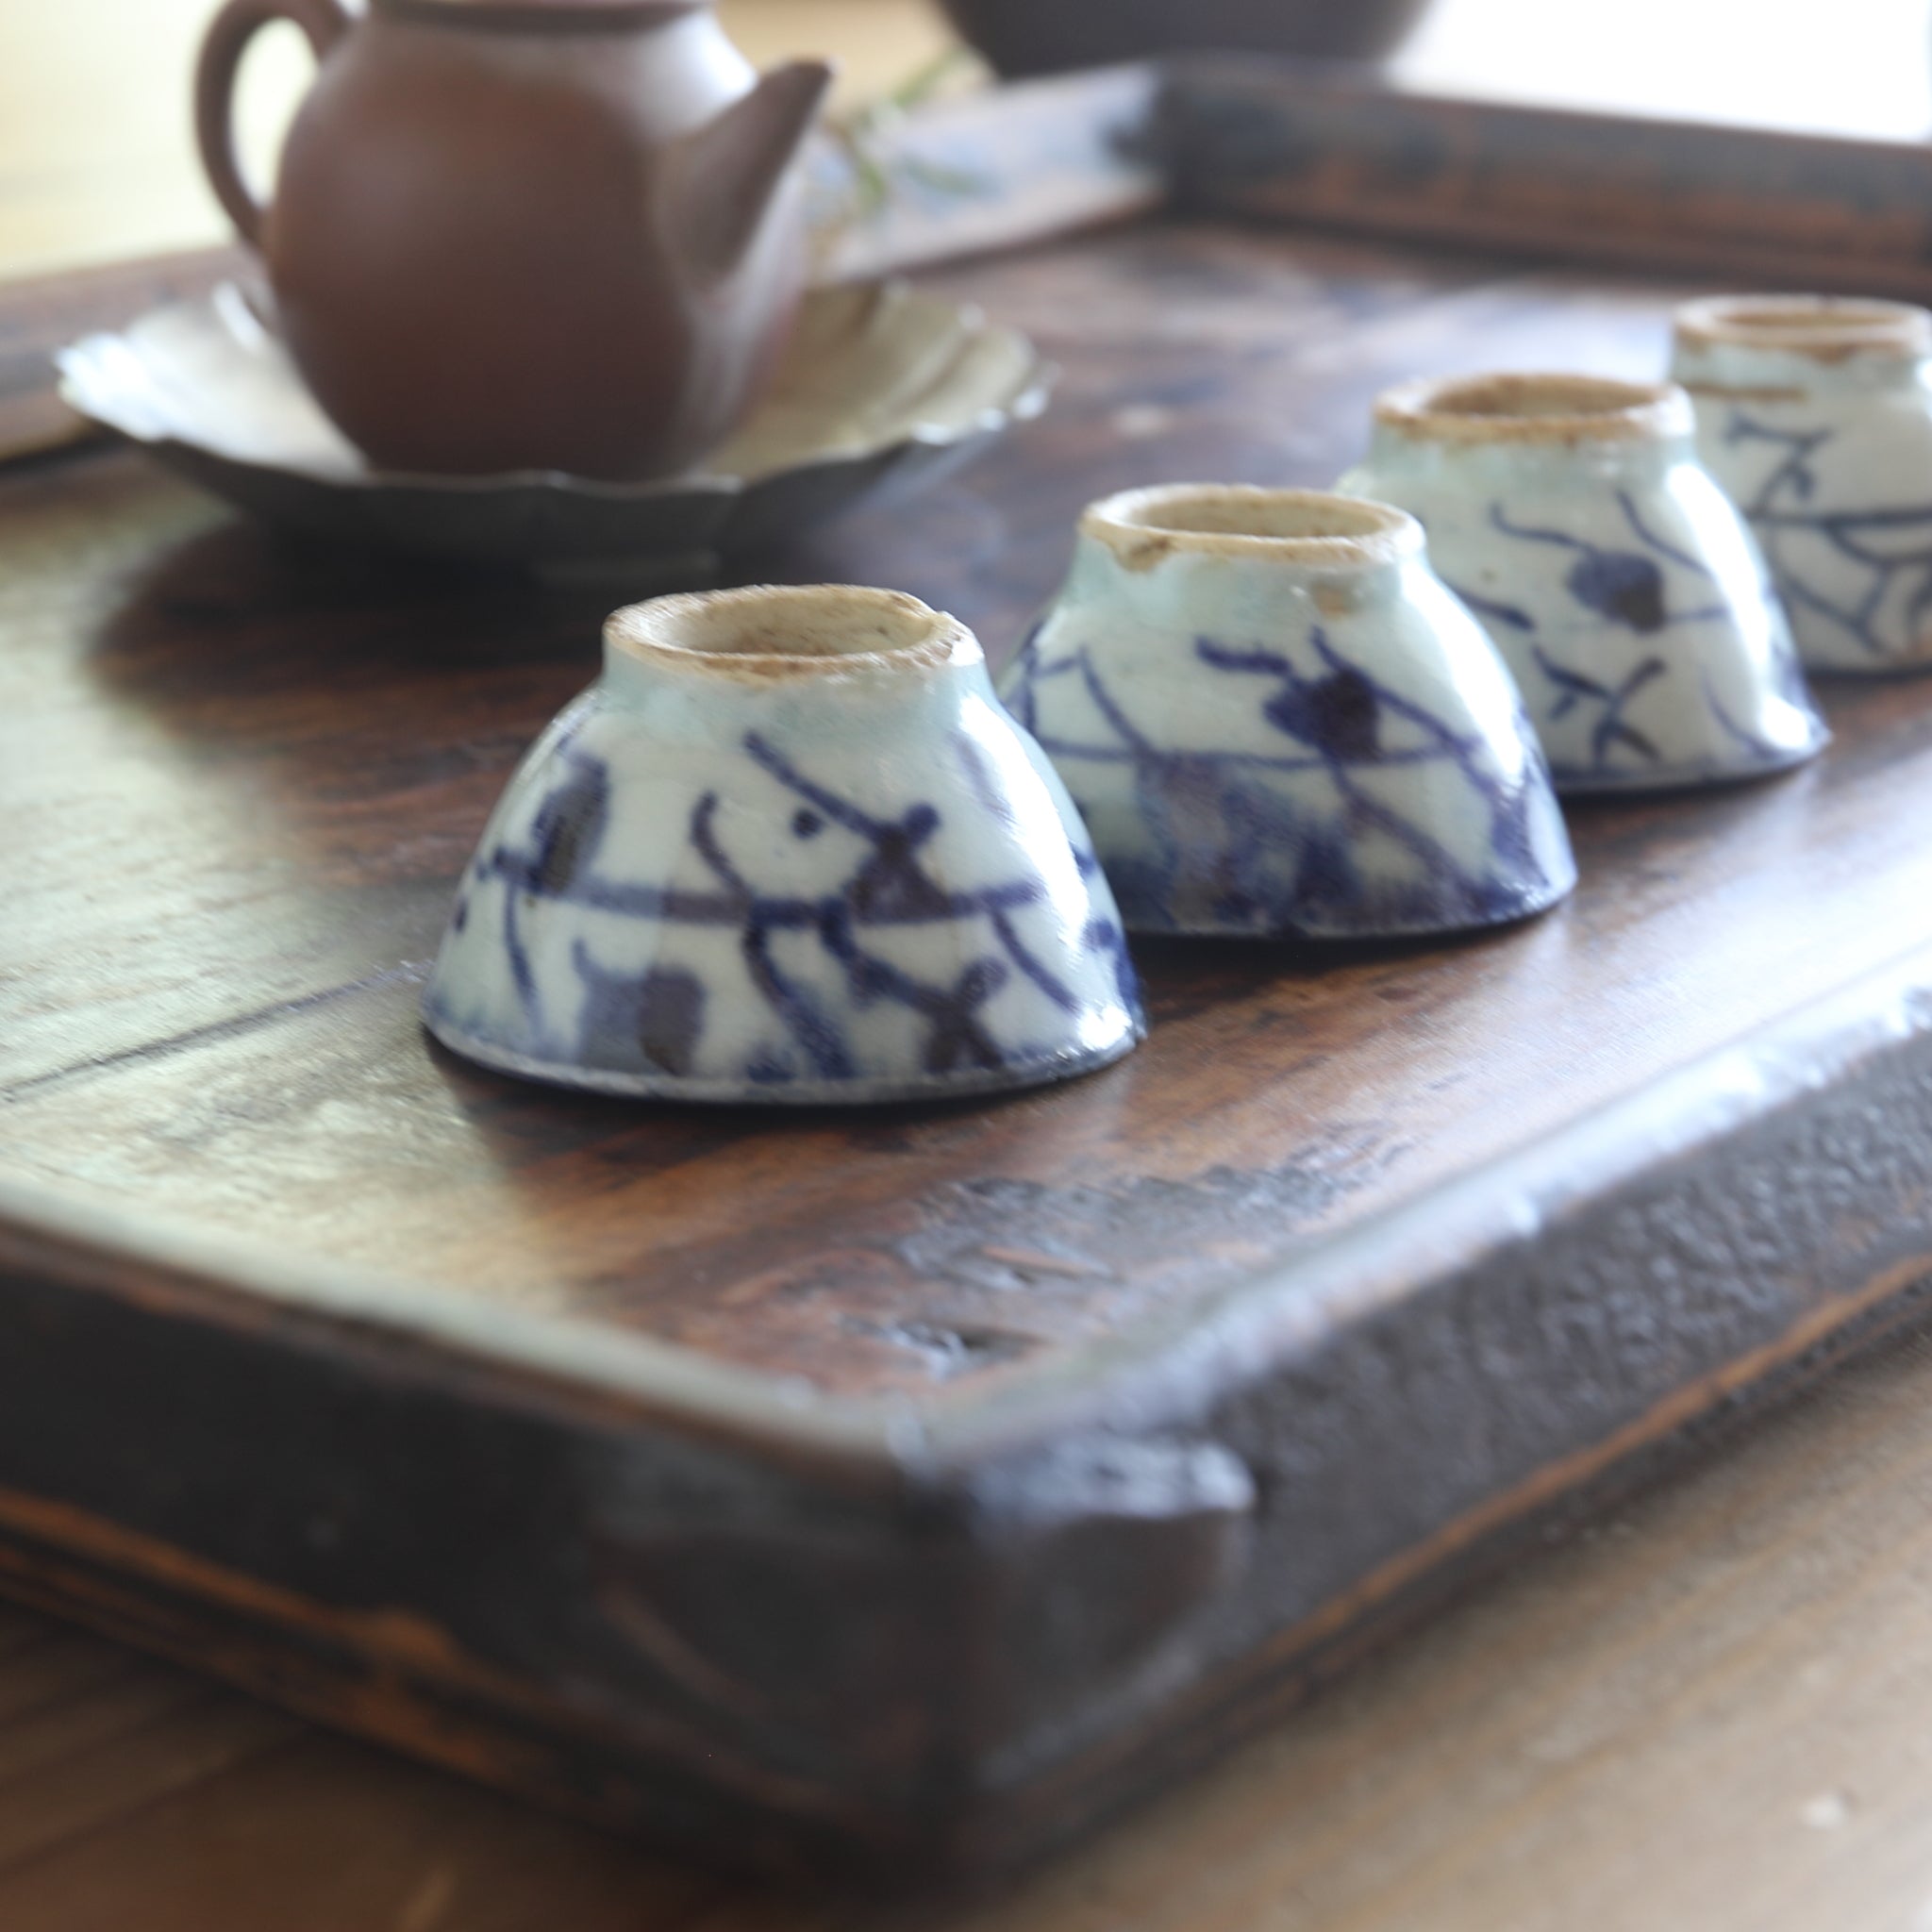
495 241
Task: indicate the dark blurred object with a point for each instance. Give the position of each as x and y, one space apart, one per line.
1022 37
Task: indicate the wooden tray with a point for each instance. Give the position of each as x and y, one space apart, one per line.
887 1489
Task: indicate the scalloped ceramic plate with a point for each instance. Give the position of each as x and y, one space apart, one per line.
882 384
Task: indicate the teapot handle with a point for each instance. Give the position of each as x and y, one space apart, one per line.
325 22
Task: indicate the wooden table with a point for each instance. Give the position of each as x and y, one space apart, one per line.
1701 1713
1707 1709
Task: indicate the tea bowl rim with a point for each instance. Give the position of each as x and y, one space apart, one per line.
1372 534
668 633
1818 328
1588 409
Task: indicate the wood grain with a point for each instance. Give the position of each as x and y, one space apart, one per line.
284 830
1014 1455
1706 1709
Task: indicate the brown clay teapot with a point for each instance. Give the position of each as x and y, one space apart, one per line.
525 234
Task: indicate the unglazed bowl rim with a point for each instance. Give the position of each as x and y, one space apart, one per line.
1823 328
648 632
1582 408
1126 523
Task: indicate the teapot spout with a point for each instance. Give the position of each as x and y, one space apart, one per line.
718 184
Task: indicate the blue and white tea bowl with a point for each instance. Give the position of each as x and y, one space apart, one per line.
789 848
1815 415
1570 514
1277 721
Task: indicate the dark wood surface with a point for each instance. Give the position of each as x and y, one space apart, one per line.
229 937
218 949
376 1434
1707 1710
38 317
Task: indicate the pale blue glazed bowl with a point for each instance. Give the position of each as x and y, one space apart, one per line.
1814 412
1276 721
1570 513
789 848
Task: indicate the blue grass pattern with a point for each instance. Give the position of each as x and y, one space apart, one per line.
1781 509
661 1012
1628 588
1624 587
1230 850
1610 728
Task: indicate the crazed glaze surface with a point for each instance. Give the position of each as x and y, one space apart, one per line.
1290 733
1815 415
1627 597
788 848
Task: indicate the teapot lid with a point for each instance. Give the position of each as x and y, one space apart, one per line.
552 14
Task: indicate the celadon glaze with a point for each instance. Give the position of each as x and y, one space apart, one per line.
1276 721
1570 514
1815 415
789 848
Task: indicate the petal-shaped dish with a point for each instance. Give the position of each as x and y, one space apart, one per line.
882 383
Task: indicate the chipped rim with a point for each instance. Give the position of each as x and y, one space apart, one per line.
1535 409
1823 328
774 633
1316 528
